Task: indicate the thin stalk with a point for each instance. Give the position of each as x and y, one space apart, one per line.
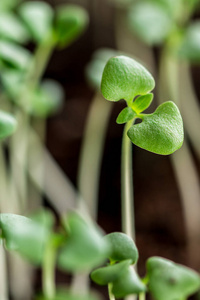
48 271
183 164
127 198
111 296
142 296
3 271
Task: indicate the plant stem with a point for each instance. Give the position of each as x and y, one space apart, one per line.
128 222
48 271
142 296
111 296
3 271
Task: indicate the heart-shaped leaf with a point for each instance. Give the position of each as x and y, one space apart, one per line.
143 19
160 132
8 125
125 115
124 78
127 283
170 281
24 236
110 273
190 47
142 102
70 22
85 247
12 28
38 17
13 55
122 247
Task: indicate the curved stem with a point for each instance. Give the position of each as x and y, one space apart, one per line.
128 222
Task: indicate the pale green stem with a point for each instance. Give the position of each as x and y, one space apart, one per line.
184 166
3 272
48 272
90 165
111 296
142 296
128 221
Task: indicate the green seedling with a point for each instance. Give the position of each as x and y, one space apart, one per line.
160 132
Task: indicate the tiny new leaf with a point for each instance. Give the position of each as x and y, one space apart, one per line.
124 78
142 102
125 115
160 132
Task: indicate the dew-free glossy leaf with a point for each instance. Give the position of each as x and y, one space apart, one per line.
110 273
150 21
122 247
170 281
8 125
142 102
190 47
13 55
24 236
38 17
12 28
160 132
47 99
127 283
71 21
85 247
125 115
124 78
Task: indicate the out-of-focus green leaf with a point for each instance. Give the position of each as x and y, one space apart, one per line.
70 22
150 21
125 115
110 273
38 17
14 56
25 236
85 247
95 67
190 47
160 132
127 283
12 28
122 247
124 78
8 125
142 102
47 99
6 5
170 281
63 294
12 81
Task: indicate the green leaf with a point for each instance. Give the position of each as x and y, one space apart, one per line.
170 281
85 247
8 125
190 46
47 99
12 28
24 236
127 283
122 247
142 102
71 21
160 132
124 78
38 17
110 273
6 5
143 19
14 56
125 115
12 81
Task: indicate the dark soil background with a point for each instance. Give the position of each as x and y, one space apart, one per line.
159 220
